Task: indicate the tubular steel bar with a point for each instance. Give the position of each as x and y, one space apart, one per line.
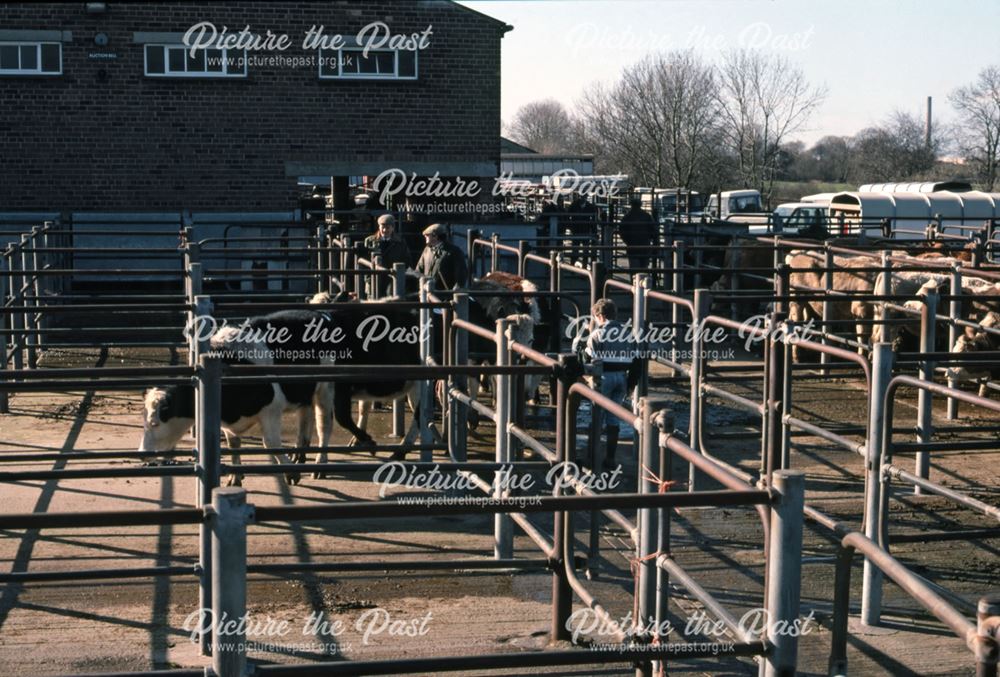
784 571
878 420
526 504
627 654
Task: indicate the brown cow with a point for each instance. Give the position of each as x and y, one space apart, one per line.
810 279
741 255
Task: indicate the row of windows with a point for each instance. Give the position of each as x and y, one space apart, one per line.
45 58
30 58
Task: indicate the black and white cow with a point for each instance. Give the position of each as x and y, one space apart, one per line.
373 333
485 310
170 412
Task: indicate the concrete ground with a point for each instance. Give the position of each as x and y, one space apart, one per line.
139 624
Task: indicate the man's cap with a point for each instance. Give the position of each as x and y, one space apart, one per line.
436 229
387 220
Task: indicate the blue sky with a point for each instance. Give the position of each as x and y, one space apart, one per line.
872 55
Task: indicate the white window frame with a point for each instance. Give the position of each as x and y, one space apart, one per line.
37 44
340 75
167 73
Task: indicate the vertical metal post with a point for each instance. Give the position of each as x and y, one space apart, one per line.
330 242
925 420
5 325
699 256
702 303
207 432
38 264
458 413
640 313
987 627
597 276
16 299
562 594
885 290
775 390
347 263
664 470
786 396
955 313
426 387
399 406
320 235
871 590
678 288
27 282
837 665
193 283
784 573
200 343
228 522
828 264
596 455
494 251
503 547
522 251
555 316
649 445
376 278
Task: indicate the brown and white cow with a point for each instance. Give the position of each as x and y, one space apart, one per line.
849 277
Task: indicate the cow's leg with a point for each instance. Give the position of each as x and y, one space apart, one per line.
306 428
342 414
270 425
233 442
364 411
473 417
323 412
795 316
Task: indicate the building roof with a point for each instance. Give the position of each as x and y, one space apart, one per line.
454 3
508 146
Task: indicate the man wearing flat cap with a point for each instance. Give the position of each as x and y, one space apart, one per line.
441 260
388 245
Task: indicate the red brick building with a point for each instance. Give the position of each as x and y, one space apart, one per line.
102 109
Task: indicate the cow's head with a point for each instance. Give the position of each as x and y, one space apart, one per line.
163 426
972 341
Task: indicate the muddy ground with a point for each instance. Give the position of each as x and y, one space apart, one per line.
139 624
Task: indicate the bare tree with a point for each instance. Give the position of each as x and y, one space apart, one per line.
895 150
978 106
763 99
544 126
656 123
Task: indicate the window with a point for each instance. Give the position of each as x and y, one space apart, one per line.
381 64
30 58
175 61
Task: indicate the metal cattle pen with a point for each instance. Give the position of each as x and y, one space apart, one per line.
323 259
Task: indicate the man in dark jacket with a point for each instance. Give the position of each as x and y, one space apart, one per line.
386 244
637 229
441 260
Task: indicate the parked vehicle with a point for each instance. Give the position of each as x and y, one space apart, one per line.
737 206
670 204
792 218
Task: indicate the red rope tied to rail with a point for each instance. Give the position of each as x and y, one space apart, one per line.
635 565
662 671
663 486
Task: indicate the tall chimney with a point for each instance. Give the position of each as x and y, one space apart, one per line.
927 128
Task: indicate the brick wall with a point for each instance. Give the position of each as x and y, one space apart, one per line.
122 141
